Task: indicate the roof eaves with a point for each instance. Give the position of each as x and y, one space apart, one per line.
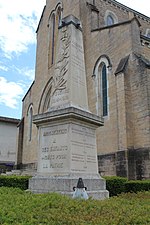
28 91
143 59
130 9
9 120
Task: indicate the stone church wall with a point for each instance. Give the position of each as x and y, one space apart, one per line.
133 163
125 136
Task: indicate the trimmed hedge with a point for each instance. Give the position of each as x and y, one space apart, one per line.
14 181
115 185
138 185
118 185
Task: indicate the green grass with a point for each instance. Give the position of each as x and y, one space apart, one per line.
23 208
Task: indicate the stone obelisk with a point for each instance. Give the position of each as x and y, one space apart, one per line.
67 132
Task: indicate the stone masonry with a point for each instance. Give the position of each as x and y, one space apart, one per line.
124 47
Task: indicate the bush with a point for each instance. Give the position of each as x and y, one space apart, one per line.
115 185
25 208
14 181
137 185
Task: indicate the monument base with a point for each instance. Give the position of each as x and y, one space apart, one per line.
67 151
96 186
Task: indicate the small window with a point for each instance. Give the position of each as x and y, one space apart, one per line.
30 118
148 33
110 20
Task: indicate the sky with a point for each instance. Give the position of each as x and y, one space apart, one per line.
18 22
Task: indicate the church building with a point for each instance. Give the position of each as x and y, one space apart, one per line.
116 48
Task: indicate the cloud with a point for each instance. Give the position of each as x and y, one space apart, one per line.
10 92
18 22
29 73
4 68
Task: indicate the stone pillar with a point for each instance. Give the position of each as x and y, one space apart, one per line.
121 112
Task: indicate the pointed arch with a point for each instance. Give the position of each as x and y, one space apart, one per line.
58 14
147 34
53 24
110 18
44 104
30 120
100 72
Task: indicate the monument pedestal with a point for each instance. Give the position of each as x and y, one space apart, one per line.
67 151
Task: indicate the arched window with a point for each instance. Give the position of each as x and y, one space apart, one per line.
30 119
110 20
53 24
147 33
102 92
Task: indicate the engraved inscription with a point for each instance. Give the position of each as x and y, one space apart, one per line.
83 149
54 151
52 155
55 132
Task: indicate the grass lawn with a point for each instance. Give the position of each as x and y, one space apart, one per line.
19 207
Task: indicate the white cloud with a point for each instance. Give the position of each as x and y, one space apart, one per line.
4 68
30 73
10 92
26 72
18 22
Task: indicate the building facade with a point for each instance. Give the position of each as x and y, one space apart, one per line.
8 143
117 61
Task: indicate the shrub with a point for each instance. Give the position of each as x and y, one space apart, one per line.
115 185
137 185
14 181
25 208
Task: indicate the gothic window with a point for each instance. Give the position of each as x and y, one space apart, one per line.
102 85
54 23
148 33
110 20
30 118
